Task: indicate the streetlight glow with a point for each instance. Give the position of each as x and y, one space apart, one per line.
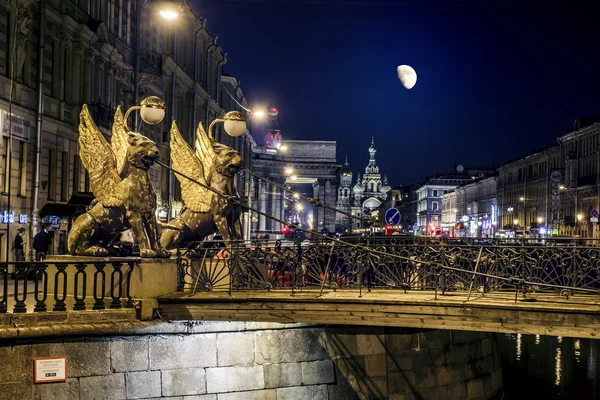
258 113
516 221
169 14
540 220
294 177
579 217
522 198
289 171
283 147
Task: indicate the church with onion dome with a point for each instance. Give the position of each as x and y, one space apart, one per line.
365 197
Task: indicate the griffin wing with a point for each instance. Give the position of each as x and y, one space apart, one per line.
205 151
119 140
99 160
195 197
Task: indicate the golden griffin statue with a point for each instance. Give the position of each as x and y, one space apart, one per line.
125 198
213 164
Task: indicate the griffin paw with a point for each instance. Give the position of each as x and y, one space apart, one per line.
146 253
158 253
94 251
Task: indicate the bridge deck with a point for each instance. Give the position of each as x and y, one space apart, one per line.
545 314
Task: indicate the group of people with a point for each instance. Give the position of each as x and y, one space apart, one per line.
41 244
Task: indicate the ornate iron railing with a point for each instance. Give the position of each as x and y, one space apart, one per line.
525 266
61 286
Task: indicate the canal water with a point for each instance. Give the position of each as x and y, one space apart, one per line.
549 368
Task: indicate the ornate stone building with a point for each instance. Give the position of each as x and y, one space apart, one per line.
366 196
73 52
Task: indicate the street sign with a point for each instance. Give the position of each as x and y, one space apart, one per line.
594 219
392 216
556 176
594 213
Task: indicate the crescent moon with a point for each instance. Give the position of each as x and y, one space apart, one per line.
407 75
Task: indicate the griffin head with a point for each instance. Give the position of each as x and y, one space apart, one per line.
142 152
229 161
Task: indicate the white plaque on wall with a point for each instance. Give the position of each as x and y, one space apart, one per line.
49 369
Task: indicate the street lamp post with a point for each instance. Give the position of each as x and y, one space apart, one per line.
522 200
168 13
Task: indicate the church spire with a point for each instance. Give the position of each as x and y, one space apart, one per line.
346 163
372 151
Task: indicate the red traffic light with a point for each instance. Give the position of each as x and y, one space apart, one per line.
285 229
433 228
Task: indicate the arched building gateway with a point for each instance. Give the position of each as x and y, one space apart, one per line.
365 198
306 166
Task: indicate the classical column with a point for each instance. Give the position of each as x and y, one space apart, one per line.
98 88
70 77
78 72
282 208
318 212
262 206
64 43
107 84
329 200
276 209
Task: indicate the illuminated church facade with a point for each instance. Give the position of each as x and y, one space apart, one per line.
363 199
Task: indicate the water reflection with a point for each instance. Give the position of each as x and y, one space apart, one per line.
558 361
553 368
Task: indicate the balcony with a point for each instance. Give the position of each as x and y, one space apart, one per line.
151 63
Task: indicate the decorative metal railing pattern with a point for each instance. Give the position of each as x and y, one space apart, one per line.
525 266
60 286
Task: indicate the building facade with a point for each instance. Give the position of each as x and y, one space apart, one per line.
525 191
477 208
450 218
429 196
579 189
429 208
66 53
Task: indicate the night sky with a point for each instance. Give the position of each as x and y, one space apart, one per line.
494 81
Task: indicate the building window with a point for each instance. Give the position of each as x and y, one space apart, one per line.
435 193
5 42
23 170
52 175
434 206
64 178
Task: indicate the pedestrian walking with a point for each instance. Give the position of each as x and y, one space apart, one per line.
41 244
18 245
